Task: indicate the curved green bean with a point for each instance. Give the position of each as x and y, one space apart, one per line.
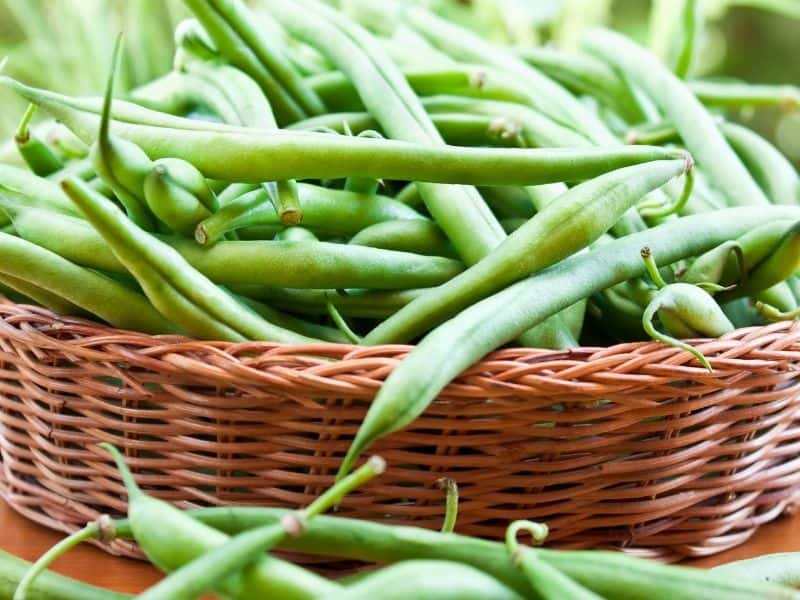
563 227
38 155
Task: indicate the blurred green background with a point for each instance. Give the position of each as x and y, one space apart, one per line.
65 45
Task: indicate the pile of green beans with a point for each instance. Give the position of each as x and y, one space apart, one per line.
371 173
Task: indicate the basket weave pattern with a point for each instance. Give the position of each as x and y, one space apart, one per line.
631 446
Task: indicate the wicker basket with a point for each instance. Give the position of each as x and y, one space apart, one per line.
630 446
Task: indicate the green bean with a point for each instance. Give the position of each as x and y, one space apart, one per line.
178 195
509 202
81 168
248 101
560 229
610 574
342 325
774 313
253 110
733 94
362 185
457 129
691 21
230 153
426 580
453 346
38 155
780 296
696 126
120 163
771 169
334 212
49 585
353 303
781 263
177 290
243 552
95 293
419 236
781 568
171 539
191 38
286 264
711 266
33 190
296 324
40 295
242 55
583 74
685 311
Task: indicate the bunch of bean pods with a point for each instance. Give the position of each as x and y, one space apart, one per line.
370 173
228 551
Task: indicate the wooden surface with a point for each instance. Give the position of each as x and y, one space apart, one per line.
91 565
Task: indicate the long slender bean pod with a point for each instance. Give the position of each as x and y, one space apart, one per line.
452 347
172 539
768 166
98 294
611 574
282 264
696 126
563 227
35 191
253 156
782 568
733 94
40 295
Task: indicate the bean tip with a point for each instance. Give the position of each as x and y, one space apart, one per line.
646 252
106 530
291 216
377 464
293 525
